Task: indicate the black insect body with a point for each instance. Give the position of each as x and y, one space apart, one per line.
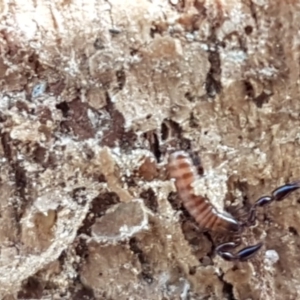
182 169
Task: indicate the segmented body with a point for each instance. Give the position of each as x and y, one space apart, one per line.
182 169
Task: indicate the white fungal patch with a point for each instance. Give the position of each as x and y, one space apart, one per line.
213 186
271 257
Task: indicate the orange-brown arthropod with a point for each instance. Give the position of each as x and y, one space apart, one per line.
182 169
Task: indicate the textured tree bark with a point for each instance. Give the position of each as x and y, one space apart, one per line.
95 95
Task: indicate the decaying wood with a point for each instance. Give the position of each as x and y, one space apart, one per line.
93 96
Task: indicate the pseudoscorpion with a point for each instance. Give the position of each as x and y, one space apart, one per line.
182 169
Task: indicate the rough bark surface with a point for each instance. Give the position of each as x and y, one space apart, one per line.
94 95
